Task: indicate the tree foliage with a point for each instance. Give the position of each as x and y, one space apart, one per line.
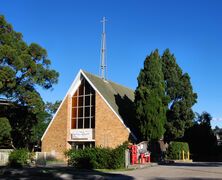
23 69
51 108
150 101
179 90
5 132
43 119
201 138
164 92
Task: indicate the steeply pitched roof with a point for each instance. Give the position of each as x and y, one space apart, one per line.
120 98
110 90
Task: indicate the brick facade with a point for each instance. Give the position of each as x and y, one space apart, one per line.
55 139
109 130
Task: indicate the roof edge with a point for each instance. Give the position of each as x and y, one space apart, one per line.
109 105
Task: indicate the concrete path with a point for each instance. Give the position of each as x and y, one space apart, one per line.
182 171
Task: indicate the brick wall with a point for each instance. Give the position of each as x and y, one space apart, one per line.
109 131
56 137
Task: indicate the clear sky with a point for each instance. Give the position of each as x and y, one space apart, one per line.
70 31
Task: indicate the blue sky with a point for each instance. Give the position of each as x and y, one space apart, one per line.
70 31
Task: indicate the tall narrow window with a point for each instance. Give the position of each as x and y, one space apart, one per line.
83 107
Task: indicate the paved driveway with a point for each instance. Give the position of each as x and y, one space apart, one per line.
183 171
186 171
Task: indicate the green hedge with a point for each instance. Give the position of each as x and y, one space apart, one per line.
19 158
175 150
97 158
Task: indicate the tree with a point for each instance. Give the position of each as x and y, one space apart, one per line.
150 101
201 138
51 108
5 132
181 95
43 119
23 69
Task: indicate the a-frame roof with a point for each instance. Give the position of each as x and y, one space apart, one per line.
111 91
118 98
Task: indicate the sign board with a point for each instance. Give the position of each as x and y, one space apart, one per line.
82 134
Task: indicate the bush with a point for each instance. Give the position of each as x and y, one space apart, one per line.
175 150
118 156
97 158
19 158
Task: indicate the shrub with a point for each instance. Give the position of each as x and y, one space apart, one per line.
175 150
97 158
118 156
19 158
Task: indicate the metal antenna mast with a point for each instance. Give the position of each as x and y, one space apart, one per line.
103 50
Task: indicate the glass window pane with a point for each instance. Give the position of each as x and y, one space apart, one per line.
80 101
87 100
80 112
81 89
74 112
92 91
93 100
80 123
93 111
87 111
93 122
74 101
86 124
73 124
87 88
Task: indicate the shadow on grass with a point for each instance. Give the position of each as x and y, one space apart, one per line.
57 173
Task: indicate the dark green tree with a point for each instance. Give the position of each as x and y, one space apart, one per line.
51 108
23 69
5 132
201 138
150 100
43 119
179 90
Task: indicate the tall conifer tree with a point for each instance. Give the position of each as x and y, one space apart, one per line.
182 97
149 99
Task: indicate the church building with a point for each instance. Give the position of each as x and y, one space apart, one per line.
94 112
